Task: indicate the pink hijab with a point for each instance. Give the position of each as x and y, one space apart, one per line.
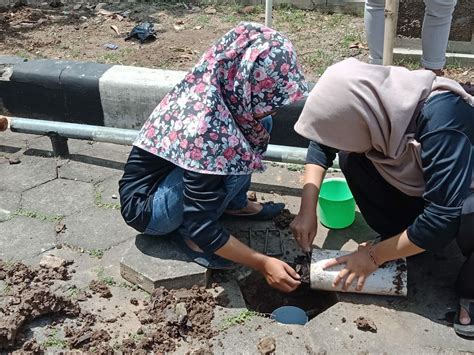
364 108
206 123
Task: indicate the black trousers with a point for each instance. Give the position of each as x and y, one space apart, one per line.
388 211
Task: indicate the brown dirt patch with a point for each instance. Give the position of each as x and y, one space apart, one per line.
184 32
100 287
169 317
366 324
28 297
172 316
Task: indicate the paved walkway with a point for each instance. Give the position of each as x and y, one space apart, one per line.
70 207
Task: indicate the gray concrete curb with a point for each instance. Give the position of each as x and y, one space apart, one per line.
103 95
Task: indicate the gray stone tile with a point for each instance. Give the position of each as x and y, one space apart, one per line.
59 197
32 171
95 228
108 189
88 169
9 201
151 262
23 237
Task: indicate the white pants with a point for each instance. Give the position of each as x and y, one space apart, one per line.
434 35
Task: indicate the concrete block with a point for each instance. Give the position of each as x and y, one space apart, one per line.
458 59
453 46
151 262
129 94
96 228
29 173
22 238
88 169
9 203
59 197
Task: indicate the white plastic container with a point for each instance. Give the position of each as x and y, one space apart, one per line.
389 279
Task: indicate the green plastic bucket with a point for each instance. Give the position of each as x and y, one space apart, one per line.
336 207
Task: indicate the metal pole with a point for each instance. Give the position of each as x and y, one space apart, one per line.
64 130
268 12
391 18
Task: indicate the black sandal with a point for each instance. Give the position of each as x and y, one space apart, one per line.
466 330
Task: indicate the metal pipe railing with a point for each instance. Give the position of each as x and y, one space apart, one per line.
59 132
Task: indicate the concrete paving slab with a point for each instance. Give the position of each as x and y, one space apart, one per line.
59 197
41 146
108 190
152 262
9 203
95 229
103 150
30 172
82 168
23 237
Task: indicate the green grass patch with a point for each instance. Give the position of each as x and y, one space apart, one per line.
53 341
295 167
408 63
36 215
96 253
350 38
73 291
108 280
98 199
6 290
320 59
239 319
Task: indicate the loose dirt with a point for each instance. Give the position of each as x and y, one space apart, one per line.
366 324
168 318
175 315
84 31
283 220
29 296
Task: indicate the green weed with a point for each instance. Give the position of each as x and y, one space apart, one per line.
98 199
295 167
53 341
108 280
96 253
36 215
239 319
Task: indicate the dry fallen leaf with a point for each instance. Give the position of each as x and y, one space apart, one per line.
115 28
210 11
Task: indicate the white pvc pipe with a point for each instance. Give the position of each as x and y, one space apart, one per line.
390 279
268 12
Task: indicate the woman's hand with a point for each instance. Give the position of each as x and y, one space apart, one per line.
280 275
359 265
304 228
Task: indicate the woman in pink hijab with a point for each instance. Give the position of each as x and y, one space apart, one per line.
193 158
406 147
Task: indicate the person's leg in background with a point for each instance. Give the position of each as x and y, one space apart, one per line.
435 33
374 20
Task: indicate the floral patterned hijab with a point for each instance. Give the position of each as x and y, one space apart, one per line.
206 124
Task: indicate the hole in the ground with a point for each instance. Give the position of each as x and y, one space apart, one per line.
260 297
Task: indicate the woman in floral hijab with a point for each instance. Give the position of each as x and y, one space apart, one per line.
194 156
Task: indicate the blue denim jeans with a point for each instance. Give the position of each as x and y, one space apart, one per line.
168 199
